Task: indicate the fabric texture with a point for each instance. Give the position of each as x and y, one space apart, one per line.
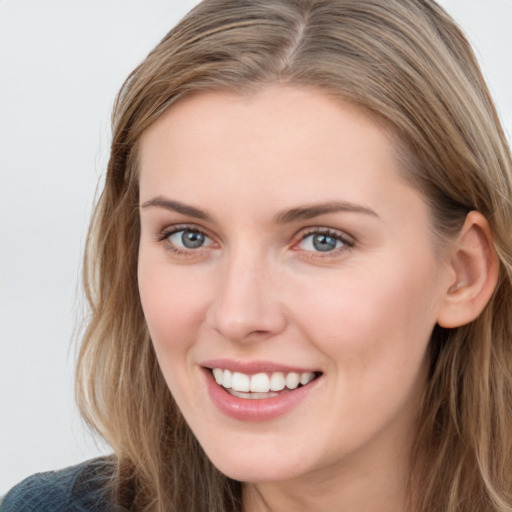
81 488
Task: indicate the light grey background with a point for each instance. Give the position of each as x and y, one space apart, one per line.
61 64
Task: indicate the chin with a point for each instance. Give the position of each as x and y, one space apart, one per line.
254 474
256 467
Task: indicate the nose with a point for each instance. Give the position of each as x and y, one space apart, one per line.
245 306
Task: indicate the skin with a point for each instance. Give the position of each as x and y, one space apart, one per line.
362 314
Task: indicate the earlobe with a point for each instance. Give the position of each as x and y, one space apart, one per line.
474 269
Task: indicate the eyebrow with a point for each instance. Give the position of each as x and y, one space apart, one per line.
315 210
285 217
178 207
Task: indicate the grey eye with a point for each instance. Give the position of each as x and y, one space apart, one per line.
321 242
189 239
324 243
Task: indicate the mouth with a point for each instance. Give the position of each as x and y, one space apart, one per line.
261 385
255 391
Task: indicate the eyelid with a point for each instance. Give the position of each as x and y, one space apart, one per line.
347 240
176 228
164 235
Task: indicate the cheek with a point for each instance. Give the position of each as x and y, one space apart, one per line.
173 310
374 330
172 302
377 319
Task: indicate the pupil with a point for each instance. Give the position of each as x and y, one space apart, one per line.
192 239
324 243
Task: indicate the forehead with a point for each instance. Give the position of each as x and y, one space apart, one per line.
244 159
292 130
252 156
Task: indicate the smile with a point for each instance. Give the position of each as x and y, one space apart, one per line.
258 391
260 385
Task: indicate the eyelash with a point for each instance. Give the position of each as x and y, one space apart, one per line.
166 234
346 241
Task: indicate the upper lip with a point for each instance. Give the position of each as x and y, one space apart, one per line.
253 367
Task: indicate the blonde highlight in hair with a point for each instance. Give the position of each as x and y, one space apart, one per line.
409 65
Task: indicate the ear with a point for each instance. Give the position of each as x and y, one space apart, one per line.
474 273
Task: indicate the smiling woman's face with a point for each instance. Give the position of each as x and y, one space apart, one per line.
279 244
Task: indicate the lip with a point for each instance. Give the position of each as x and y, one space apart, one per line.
253 367
257 410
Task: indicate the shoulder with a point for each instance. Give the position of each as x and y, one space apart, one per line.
81 488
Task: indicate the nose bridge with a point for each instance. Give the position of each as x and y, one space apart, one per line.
245 305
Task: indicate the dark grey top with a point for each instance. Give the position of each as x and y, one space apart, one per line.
81 488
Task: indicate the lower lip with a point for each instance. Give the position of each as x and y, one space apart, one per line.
262 409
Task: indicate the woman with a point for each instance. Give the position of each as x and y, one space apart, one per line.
299 271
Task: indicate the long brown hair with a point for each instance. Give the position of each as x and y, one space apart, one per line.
408 64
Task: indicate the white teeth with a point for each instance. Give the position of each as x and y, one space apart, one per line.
292 380
260 382
227 379
252 396
218 374
240 382
277 381
306 377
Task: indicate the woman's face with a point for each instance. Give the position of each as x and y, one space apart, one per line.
279 245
